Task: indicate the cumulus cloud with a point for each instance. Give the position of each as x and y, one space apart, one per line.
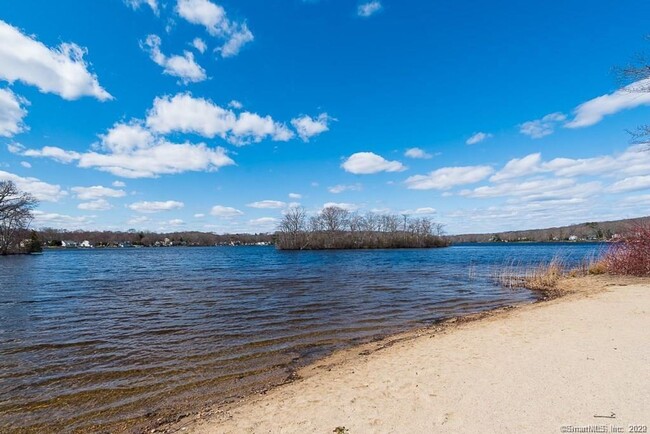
53 152
542 127
632 183
635 160
368 162
420 211
12 112
368 9
128 137
187 114
295 196
118 184
264 222
153 207
448 177
56 220
417 153
138 220
478 138
39 189
307 127
235 104
594 110
159 159
267 204
96 192
184 67
200 45
519 167
26 165
61 70
135 4
225 211
95 205
340 188
215 20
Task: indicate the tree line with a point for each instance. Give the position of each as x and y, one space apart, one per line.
56 237
337 228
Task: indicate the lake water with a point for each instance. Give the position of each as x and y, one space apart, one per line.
114 340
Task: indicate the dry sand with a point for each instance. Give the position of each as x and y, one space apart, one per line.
533 369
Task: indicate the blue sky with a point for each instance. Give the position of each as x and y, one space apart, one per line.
218 115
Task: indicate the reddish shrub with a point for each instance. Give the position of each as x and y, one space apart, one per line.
631 254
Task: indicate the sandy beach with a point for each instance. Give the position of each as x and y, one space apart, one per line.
564 365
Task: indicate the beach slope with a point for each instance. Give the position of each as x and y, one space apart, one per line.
580 360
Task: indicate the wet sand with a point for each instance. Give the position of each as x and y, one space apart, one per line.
579 360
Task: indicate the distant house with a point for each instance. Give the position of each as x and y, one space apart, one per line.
86 245
573 238
69 244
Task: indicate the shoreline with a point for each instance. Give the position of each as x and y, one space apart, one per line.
324 376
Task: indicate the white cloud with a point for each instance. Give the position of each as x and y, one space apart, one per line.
118 184
52 152
213 17
152 207
225 211
420 211
135 4
95 205
96 192
61 70
478 138
542 127
25 164
12 112
267 204
448 177
265 222
307 127
199 216
417 153
340 188
174 222
240 35
186 114
183 67
138 220
633 183
200 45
369 8
235 104
594 110
633 161
39 189
122 138
50 219
519 167
342 205
369 162
295 196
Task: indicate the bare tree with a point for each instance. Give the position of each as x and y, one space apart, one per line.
635 78
15 215
293 228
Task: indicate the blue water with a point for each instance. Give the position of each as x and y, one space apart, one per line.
115 339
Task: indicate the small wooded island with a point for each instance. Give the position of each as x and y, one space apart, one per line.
337 228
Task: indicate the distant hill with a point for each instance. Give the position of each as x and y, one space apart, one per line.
590 231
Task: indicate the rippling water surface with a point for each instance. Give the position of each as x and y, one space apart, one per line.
114 340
